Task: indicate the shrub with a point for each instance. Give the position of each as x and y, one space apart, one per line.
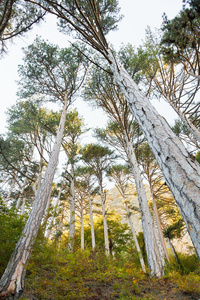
11 226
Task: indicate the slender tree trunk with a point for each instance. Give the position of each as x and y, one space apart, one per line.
91 222
37 183
23 206
176 255
21 198
10 190
172 248
153 247
157 217
72 212
82 228
49 229
187 122
12 281
179 170
105 226
135 237
48 203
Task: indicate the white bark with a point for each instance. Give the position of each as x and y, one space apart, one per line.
180 171
157 217
105 226
72 213
153 247
37 183
23 206
12 281
135 238
91 222
48 203
82 228
48 231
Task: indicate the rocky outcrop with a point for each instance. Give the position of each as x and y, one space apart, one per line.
114 202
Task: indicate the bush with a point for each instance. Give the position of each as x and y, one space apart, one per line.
185 264
11 226
189 284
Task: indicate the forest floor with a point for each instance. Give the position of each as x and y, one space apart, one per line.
158 289
89 281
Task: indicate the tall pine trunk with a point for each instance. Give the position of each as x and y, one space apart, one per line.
72 212
179 170
91 222
82 227
153 247
37 183
134 236
12 281
51 222
158 223
105 226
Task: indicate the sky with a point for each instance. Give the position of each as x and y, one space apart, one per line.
137 16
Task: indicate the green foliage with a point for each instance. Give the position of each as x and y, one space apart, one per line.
16 18
48 71
188 284
119 234
179 128
187 277
181 34
95 152
11 225
189 263
104 12
139 62
175 229
74 128
11 151
54 273
98 158
197 157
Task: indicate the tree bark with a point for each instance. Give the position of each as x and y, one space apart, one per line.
135 238
91 222
153 247
82 228
12 281
157 217
105 226
72 212
37 183
179 170
49 228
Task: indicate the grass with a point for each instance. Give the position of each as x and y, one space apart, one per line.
92 275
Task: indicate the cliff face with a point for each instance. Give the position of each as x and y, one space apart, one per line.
114 202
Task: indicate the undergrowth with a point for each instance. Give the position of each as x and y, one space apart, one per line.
54 273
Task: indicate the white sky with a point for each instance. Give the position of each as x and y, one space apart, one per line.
137 16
